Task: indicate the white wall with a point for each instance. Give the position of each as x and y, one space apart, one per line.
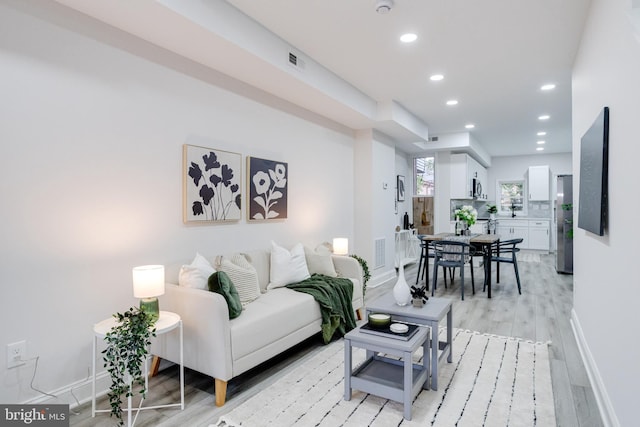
606 284
90 178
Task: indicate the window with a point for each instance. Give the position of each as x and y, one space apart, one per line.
511 197
424 172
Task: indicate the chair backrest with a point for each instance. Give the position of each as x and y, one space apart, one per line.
507 247
452 251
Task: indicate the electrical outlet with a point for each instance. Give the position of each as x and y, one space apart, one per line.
16 353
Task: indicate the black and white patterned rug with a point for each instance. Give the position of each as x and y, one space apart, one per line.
493 381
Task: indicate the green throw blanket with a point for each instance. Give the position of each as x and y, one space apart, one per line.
334 295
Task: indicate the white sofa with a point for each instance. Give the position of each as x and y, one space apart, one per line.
223 348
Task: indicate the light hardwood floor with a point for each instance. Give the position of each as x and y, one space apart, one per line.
541 313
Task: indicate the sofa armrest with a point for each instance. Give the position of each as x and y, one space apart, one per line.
347 266
207 336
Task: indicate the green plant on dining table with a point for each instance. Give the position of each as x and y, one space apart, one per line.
467 214
127 347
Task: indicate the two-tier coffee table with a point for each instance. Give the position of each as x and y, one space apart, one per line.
430 315
399 380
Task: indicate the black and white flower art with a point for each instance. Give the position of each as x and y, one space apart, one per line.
268 187
212 187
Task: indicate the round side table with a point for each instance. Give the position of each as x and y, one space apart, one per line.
166 322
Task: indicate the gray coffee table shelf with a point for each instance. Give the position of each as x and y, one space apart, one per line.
431 314
398 380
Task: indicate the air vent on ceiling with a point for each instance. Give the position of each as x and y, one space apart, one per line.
296 61
433 139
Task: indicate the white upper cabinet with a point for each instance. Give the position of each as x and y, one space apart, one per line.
539 183
465 170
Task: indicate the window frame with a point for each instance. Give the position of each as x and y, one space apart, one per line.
505 211
415 175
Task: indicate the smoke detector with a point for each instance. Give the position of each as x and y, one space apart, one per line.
384 6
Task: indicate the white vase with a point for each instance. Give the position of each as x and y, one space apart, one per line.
401 290
492 216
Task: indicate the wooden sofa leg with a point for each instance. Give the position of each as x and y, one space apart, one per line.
155 365
220 391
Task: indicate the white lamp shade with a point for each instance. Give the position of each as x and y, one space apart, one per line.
148 281
340 245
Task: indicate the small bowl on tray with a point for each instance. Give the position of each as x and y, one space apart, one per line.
379 320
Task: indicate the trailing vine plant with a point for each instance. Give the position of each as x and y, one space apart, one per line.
568 207
127 348
366 275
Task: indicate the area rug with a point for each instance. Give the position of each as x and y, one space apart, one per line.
492 381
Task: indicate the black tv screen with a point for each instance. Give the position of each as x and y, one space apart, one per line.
594 148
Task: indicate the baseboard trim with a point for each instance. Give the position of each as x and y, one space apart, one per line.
381 279
607 413
75 394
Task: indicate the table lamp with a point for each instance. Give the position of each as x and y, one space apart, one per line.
148 284
340 246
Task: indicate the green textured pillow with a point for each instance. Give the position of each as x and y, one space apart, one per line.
219 282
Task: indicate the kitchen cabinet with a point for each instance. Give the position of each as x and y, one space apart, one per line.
539 235
539 181
464 169
514 229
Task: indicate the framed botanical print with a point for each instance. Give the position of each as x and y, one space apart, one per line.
212 185
268 184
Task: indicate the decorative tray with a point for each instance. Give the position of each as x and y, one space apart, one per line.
386 331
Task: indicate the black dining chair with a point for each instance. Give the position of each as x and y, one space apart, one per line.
452 254
505 251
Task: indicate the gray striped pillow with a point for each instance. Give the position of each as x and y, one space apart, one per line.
243 275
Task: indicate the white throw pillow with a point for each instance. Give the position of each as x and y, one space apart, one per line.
196 275
287 266
243 275
319 261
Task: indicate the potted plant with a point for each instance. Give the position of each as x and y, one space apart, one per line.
568 221
419 295
467 215
127 347
493 210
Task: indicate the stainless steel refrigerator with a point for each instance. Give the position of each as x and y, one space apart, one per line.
564 224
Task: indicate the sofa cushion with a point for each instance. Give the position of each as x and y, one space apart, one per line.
260 260
287 266
270 318
243 275
319 261
219 282
196 274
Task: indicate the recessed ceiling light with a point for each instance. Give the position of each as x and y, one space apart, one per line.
452 102
544 117
436 77
540 142
408 38
541 133
540 149
549 86
470 126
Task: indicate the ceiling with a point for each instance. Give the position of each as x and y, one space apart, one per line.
494 55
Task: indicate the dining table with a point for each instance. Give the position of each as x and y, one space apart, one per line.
483 241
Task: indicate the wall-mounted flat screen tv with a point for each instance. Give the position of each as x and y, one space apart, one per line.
594 159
